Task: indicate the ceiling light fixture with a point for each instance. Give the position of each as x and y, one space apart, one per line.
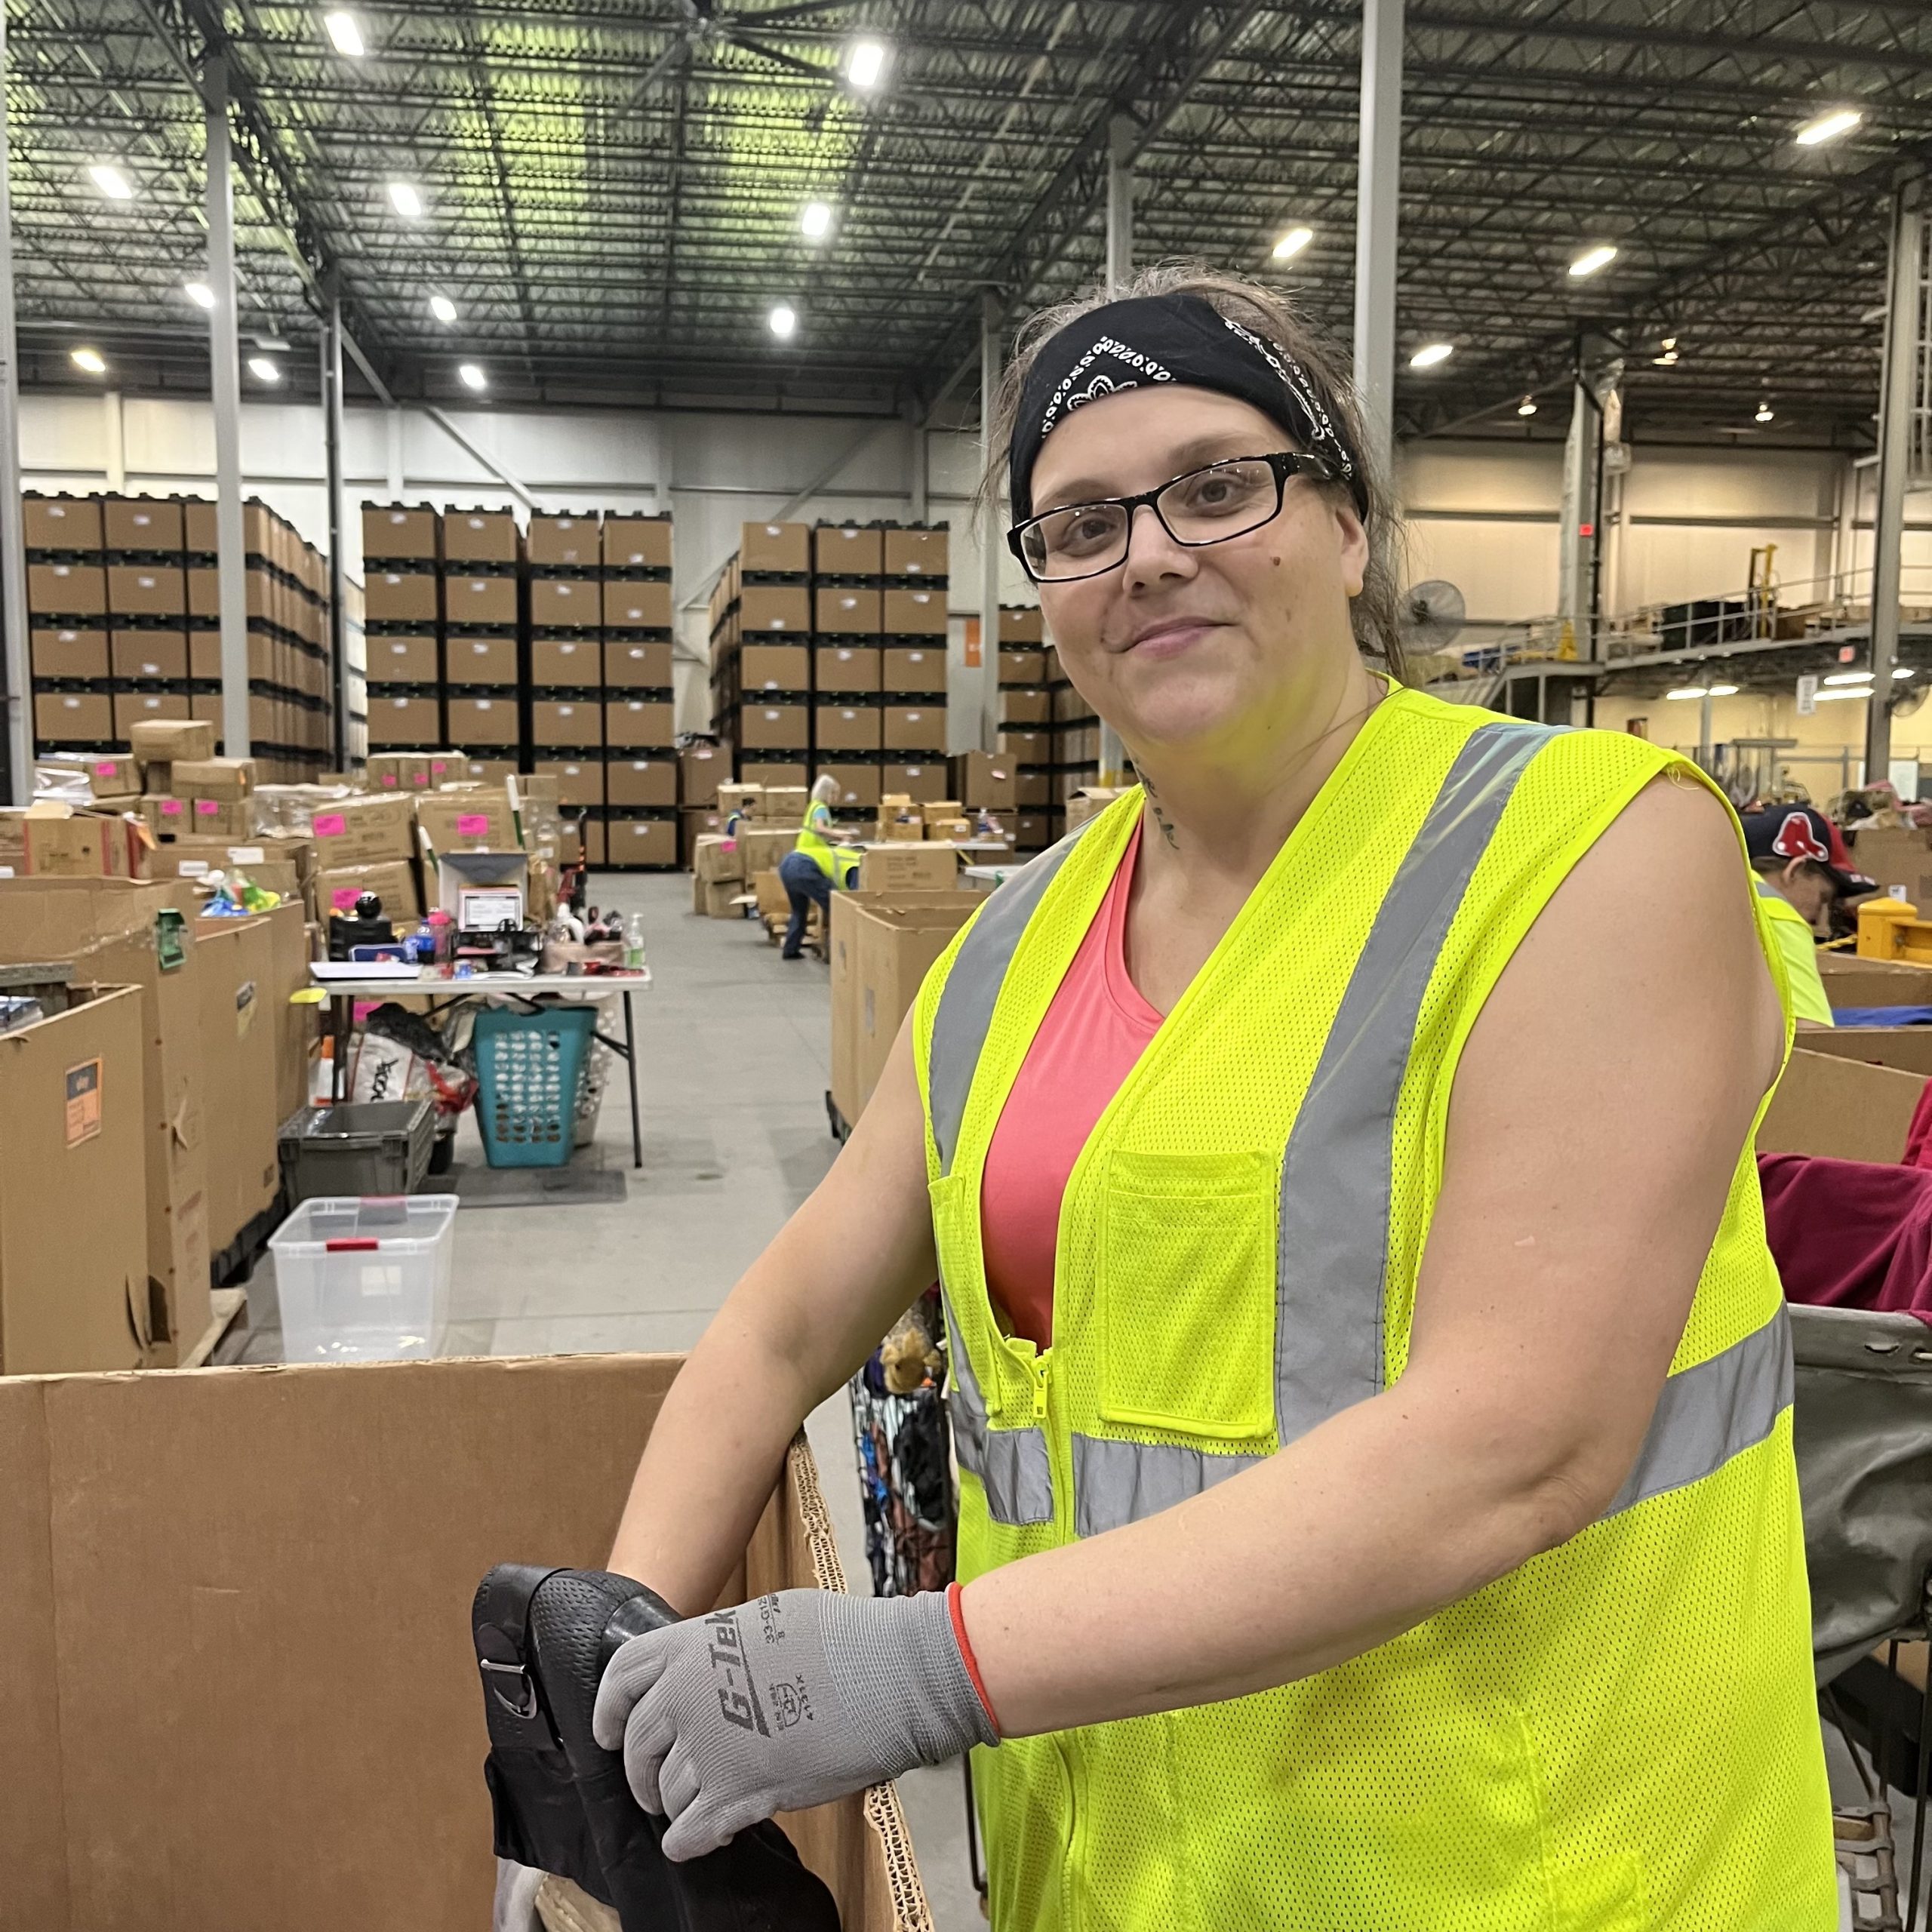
1723 691
1590 259
1432 353
1849 678
405 200
199 293
1828 127
261 367
91 360
1832 697
442 308
472 377
111 181
783 321
1293 243
1764 412
1901 670
866 62
1528 406
344 33
816 220
1687 691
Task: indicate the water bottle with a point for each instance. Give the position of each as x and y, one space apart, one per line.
634 943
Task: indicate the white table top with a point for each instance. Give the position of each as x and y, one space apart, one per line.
434 980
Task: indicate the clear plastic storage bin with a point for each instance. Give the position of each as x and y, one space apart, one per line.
364 1278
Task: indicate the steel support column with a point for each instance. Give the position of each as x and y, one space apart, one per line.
982 685
16 742
225 361
1121 131
1897 395
114 442
332 452
1378 173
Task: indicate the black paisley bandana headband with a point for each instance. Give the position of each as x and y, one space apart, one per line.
1176 338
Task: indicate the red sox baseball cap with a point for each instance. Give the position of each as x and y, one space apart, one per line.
1798 831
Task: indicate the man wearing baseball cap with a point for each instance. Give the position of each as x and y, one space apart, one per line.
1803 867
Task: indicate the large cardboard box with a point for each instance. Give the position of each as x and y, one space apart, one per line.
484 536
73 717
844 667
483 660
580 781
145 655
469 821
636 663
845 611
913 727
649 782
881 945
901 866
403 597
646 724
774 667
775 727
858 784
391 530
480 721
847 550
914 614
566 541
763 845
925 782
363 830
240 1046
392 880
1021 623
637 542
1851 981
566 663
1899 858
417 720
764 608
63 523
147 590
73 1229
67 590
640 841
701 770
566 603
402 660
141 523
839 727
573 722
480 600
715 858
122 933
916 552
67 651
630 606
984 780
62 843
216 1520
775 548
132 709
296 1032
1843 1108
1022 706
164 741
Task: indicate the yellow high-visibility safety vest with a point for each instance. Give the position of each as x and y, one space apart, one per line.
1619 1735
837 862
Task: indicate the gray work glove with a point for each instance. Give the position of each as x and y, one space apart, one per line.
783 1703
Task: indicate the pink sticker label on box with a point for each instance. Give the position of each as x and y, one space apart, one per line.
388 778
108 769
205 807
330 825
439 764
343 898
472 824
170 808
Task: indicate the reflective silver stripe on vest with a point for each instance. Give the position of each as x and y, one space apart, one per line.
1115 1483
966 1005
1012 1463
1336 1173
1708 1414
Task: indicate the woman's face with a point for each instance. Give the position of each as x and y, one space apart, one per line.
1179 646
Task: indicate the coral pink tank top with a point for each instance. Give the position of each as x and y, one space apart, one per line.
1086 1045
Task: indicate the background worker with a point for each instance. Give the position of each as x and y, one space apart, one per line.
814 865
1803 870
1377 1507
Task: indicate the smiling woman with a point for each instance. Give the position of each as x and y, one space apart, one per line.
1370 1382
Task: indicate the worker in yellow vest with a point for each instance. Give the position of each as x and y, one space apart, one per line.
816 864
1370 1383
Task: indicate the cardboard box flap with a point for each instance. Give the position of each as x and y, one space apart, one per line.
311 1598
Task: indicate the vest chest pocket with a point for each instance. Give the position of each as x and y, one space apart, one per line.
1185 1310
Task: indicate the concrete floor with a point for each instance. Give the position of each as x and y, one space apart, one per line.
734 1057
734 1060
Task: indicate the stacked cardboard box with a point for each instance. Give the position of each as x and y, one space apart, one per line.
124 598
828 656
402 621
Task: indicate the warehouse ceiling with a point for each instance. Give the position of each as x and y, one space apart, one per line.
611 190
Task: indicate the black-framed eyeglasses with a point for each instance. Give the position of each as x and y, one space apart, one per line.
1207 506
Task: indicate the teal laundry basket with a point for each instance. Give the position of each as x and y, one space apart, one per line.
528 1069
